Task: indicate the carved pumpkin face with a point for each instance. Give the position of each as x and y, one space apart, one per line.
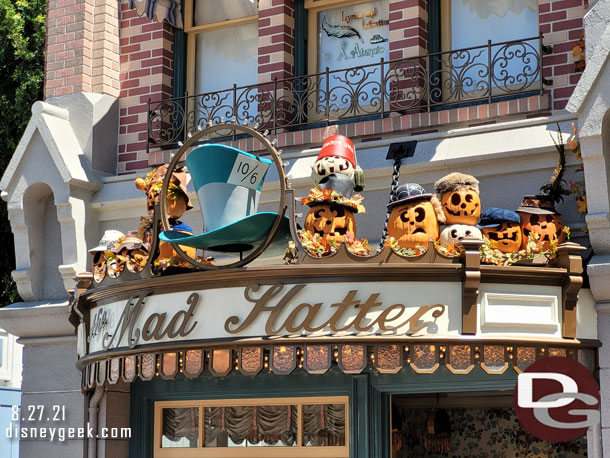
330 221
548 227
461 207
505 238
98 266
455 232
413 224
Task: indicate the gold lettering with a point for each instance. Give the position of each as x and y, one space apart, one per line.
260 305
341 307
312 311
185 315
364 309
158 332
383 317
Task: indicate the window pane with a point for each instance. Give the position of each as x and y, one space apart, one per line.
251 426
507 67
180 427
473 22
324 425
353 36
209 11
226 57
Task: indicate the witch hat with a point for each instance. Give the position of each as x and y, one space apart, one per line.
228 182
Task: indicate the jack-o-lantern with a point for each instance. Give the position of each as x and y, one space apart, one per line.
332 208
538 215
412 221
413 224
505 238
459 197
330 221
502 228
456 232
548 226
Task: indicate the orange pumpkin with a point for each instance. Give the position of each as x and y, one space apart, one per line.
461 207
505 238
548 226
413 224
330 221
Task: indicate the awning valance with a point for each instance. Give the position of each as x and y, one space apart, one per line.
159 10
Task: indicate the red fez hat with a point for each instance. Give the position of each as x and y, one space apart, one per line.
339 146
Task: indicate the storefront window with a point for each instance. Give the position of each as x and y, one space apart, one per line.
180 428
251 427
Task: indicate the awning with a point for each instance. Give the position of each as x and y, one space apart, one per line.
159 10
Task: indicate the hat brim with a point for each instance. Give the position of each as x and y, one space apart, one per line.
489 226
404 200
98 249
537 211
242 235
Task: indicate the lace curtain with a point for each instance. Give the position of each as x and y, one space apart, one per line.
484 8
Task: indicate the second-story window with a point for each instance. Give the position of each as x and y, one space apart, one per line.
222 44
510 65
350 35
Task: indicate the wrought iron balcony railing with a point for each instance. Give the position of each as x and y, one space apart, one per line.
479 74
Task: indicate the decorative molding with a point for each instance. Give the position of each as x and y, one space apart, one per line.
569 257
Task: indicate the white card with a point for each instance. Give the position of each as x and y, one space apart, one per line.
247 172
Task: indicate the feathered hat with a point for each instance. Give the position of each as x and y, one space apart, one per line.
550 193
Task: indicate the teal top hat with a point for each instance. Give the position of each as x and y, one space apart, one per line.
228 182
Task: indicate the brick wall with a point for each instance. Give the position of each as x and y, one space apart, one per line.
69 40
146 62
82 52
561 24
275 39
146 72
408 28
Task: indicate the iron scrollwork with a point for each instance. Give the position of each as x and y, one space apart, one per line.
415 84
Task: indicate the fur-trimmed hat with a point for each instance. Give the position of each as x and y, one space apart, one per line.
456 181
